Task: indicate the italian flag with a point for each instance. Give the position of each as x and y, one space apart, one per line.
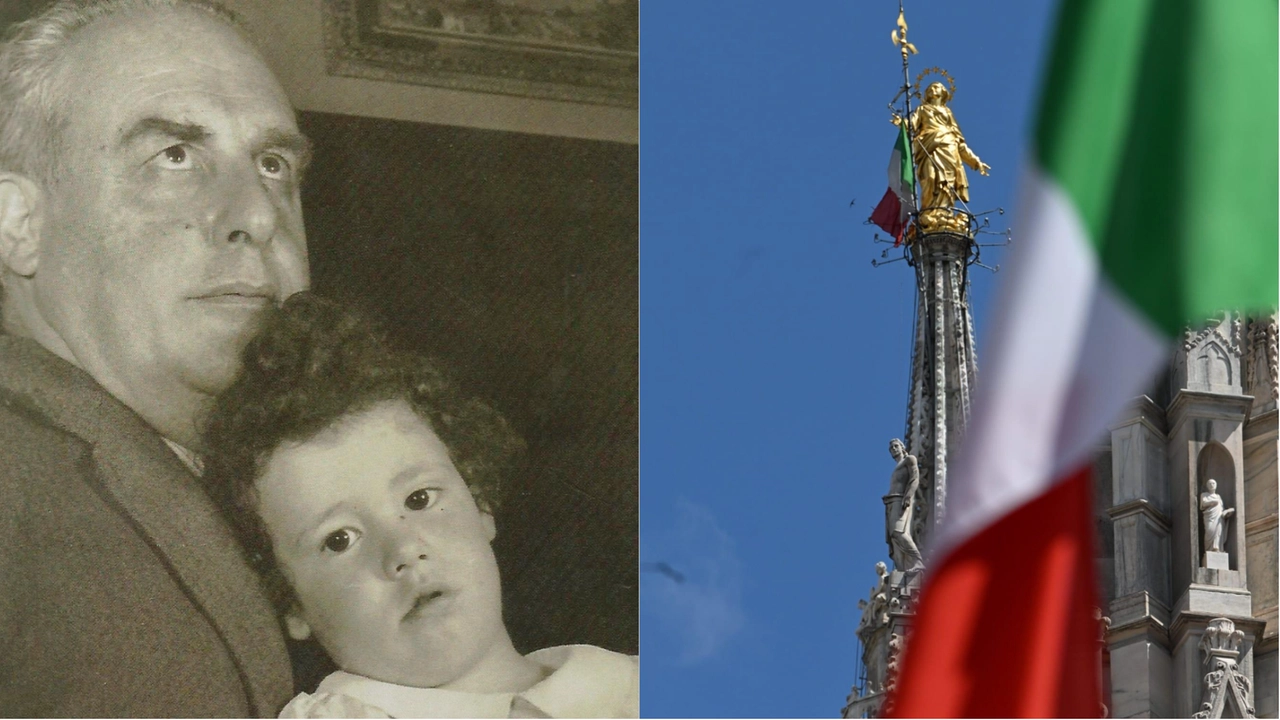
1149 204
892 210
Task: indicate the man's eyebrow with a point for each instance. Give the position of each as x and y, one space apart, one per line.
184 132
291 140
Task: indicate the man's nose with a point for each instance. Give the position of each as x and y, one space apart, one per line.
248 211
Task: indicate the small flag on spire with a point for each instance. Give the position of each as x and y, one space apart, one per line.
892 211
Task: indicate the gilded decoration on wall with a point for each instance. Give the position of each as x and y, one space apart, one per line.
582 51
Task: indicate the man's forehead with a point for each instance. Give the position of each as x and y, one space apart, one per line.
129 30
143 70
148 50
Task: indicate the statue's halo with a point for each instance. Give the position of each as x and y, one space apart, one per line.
936 71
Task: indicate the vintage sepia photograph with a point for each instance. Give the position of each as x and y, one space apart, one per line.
959 373
319 363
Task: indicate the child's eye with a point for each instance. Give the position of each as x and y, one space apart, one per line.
339 540
419 499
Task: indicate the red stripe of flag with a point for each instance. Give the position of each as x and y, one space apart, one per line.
889 216
1005 624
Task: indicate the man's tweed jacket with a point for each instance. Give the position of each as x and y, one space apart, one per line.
122 592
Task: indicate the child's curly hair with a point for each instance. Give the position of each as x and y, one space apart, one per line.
314 363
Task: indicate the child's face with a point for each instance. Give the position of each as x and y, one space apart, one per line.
385 548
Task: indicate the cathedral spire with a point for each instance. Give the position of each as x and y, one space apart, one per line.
936 233
940 245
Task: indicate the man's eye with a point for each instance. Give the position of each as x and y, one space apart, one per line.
176 156
339 540
419 499
273 166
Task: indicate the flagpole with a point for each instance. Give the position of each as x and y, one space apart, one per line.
906 49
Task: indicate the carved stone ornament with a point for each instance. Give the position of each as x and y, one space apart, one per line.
1273 356
1223 681
890 675
1104 626
872 634
1226 330
875 611
1263 367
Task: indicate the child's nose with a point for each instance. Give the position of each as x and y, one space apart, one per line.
405 556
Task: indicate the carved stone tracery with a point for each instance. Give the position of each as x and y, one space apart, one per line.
891 667
1224 682
1226 330
1262 371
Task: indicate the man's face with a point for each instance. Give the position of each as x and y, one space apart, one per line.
174 218
385 549
896 450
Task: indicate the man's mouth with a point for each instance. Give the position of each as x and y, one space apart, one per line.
239 293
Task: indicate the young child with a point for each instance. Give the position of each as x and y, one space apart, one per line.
363 486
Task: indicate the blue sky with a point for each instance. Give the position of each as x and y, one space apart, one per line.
773 356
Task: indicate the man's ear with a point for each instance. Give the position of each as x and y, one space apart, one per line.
298 628
490 527
20 206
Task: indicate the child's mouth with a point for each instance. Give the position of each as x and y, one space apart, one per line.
425 603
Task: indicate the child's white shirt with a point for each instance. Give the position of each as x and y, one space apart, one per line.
584 681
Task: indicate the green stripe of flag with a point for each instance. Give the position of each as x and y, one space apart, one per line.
1159 121
907 180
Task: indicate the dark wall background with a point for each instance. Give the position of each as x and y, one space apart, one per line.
514 259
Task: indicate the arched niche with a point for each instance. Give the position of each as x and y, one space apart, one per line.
1215 463
1214 365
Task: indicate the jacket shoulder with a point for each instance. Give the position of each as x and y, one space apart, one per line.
31 443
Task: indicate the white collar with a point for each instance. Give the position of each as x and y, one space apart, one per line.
584 681
190 458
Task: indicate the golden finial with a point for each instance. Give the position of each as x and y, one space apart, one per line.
899 36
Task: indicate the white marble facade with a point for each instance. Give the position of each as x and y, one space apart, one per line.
1168 595
1189 631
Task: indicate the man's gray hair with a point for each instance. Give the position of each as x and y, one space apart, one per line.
31 88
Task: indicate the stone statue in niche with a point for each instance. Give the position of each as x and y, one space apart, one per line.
1214 516
899 507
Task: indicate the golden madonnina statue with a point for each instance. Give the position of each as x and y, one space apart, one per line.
940 155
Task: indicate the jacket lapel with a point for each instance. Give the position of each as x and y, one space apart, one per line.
167 505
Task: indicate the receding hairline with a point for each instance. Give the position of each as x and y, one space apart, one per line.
89 45
122 19
71 17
